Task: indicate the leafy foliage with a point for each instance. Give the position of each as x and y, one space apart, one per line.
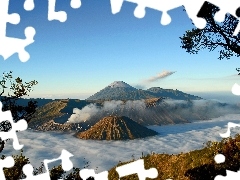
10 92
15 90
214 35
15 172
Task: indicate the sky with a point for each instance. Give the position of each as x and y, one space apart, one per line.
172 139
94 47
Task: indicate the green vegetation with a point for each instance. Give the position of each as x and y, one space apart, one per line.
47 112
194 165
11 90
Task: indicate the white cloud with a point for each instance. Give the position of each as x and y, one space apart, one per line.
84 114
161 75
146 83
91 110
172 139
81 115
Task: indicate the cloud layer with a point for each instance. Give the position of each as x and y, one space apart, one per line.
130 108
108 106
172 139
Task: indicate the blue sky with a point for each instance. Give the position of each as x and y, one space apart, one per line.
94 47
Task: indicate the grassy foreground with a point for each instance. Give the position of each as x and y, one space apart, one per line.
194 165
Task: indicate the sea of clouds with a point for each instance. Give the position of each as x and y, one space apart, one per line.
84 114
177 106
103 155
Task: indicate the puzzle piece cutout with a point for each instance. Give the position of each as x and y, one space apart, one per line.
219 16
28 171
66 166
230 125
21 125
231 175
9 45
137 167
52 14
192 9
60 15
238 69
5 163
219 158
236 89
230 7
29 5
65 157
86 173
140 11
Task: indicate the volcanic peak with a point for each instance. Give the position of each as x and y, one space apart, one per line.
116 128
121 84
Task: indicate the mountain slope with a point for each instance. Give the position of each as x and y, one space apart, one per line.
119 90
53 115
155 111
116 128
173 94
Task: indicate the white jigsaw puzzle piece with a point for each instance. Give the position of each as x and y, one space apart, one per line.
86 173
65 157
75 4
10 45
140 12
231 175
54 15
29 5
21 125
192 9
60 15
229 126
66 166
28 171
219 158
137 167
5 163
236 89
230 7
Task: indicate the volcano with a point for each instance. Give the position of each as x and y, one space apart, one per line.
119 90
116 128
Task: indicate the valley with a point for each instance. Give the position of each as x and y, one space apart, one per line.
173 107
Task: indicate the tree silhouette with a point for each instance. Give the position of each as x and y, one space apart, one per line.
10 92
215 36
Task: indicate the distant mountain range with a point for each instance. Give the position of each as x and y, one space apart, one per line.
154 106
119 90
54 116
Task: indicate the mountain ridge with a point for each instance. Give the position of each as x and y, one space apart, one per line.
119 90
